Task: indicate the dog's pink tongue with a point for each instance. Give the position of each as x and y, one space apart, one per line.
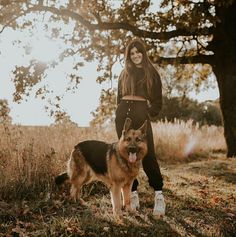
132 157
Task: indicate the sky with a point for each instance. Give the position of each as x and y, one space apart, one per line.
78 105
31 112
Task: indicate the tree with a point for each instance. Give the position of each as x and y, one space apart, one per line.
211 113
178 32
185 109
4 112
105 112
185 78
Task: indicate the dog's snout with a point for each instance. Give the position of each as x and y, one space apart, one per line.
132 149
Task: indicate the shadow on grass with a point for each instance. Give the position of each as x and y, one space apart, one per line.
197 218
217 169
97 220
62 217
185 216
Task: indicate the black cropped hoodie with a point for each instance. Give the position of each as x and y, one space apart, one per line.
154 101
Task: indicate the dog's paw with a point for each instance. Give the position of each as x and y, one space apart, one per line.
82 202
130 209
158 215
118 218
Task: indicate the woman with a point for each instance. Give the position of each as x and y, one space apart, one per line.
139 97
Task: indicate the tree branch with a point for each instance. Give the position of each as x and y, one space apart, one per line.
204 59
138 32
119 25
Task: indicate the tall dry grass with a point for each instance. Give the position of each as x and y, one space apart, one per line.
183 140
30 157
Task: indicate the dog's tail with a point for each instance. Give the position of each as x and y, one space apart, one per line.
60 179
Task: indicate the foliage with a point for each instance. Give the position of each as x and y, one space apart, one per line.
185 109
26 77
4 112
101 31
212 114
63 119
104 114
180 80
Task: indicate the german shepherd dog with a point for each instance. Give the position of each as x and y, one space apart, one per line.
116 165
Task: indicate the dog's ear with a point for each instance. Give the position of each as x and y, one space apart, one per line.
127 125
143 128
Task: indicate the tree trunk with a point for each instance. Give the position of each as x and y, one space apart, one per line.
227 88
225 71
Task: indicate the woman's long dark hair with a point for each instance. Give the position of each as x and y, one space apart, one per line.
128 75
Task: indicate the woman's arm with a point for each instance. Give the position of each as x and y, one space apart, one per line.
156 101
119 88
119 95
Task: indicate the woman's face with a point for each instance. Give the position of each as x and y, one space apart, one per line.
136 57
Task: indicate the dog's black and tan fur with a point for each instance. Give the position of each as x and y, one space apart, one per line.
117 164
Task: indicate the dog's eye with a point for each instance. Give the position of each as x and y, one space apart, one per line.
138 139
128 139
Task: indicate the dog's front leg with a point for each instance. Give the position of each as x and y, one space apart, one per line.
126 192
116 199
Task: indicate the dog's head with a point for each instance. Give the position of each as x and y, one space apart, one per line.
133 143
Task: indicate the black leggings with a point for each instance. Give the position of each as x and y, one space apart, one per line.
137 111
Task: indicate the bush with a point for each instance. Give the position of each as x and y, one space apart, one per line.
187 109
4 112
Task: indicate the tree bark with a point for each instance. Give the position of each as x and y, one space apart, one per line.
225 70
227 89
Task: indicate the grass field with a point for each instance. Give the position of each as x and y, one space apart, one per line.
200 185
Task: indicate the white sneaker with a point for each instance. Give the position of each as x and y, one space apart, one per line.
134 200
160 206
